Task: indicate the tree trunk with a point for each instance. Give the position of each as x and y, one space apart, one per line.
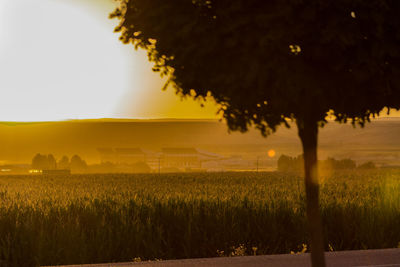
308 132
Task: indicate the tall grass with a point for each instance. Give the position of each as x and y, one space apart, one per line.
117 217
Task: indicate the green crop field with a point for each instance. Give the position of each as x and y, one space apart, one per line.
119 217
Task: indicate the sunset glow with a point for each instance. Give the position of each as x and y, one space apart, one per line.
54 67
61 60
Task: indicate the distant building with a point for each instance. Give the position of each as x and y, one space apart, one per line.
206 156
153 159
168 160
129 155
211 161
181 158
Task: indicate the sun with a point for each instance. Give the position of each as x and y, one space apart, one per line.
57 61
271 153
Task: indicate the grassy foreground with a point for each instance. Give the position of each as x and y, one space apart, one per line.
118 217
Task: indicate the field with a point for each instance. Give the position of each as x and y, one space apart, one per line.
120 217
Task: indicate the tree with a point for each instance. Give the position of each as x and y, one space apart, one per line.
284 163
40 162
342 164
345 164
290 164
52 163
367 165
63 163
268 62
78 164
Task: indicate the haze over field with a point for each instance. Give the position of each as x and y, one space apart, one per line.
19 142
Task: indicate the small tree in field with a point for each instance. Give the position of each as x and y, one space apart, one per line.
63 163
268 62
52 162
77 164
40 162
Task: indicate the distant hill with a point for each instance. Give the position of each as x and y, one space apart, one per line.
20 141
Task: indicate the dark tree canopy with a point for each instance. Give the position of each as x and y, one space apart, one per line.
267 61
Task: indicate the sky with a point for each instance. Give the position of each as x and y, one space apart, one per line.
60 59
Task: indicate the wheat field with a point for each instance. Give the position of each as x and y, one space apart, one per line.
48 220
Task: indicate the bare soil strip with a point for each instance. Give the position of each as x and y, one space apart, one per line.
355 258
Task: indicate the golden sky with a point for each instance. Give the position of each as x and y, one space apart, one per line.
59 59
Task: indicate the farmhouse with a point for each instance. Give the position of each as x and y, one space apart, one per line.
153 159
129 155
181 158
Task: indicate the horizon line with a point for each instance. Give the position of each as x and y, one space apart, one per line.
143 119
109 119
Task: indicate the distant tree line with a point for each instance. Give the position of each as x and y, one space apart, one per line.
48 162
77 164
296 164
